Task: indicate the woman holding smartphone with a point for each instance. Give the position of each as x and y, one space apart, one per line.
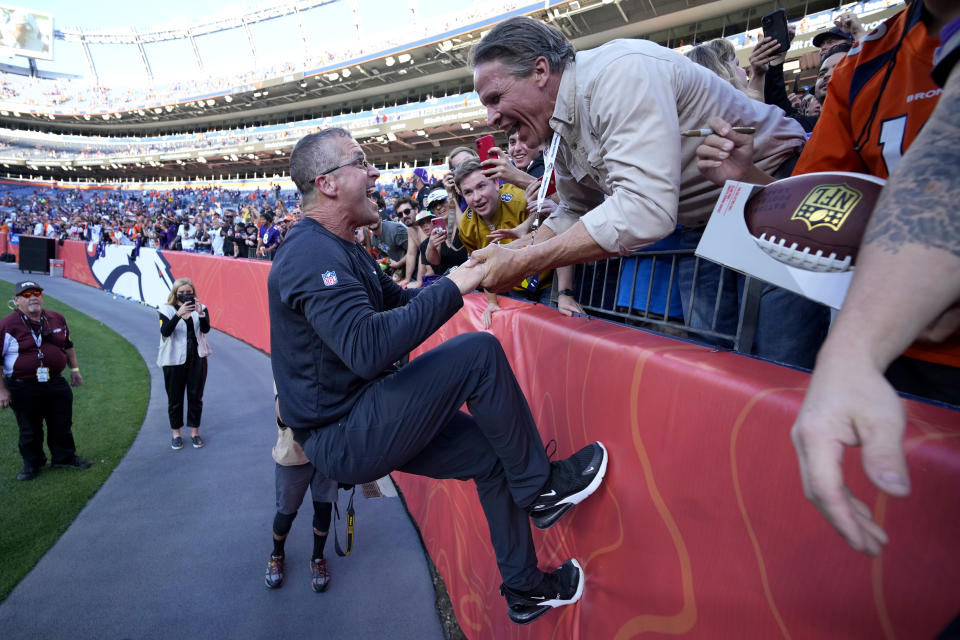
441 250
183 321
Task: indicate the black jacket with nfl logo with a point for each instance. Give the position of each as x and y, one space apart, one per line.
337 323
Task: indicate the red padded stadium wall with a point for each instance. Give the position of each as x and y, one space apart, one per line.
701 528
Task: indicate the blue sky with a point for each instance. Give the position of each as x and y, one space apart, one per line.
225 52
103 14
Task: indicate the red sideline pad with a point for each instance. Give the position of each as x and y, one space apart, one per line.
701 528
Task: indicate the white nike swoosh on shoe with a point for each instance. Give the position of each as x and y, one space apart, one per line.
549 494
588 470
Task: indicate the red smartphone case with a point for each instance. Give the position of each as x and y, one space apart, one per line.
484 144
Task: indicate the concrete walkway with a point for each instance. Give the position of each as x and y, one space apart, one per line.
175 543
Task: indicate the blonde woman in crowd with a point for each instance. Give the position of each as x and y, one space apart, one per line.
719 56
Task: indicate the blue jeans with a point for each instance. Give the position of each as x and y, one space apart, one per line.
790 328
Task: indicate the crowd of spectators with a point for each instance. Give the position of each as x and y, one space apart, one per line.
40 145
194 220
41 95
252 224
239 226
214 220
207 220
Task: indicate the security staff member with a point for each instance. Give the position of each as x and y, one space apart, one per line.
36 348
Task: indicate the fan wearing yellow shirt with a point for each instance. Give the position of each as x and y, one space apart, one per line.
491 206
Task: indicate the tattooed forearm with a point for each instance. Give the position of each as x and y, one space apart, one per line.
919 204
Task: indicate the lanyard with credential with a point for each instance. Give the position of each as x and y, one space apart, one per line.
549 157
37 336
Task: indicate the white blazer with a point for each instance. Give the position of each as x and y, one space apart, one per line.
173 349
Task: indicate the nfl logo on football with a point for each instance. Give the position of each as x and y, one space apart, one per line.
827 205
329 278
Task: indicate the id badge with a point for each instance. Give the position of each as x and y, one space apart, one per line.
43 374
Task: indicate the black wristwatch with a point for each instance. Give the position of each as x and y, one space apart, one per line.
566 292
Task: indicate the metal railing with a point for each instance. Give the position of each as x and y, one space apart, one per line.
643 290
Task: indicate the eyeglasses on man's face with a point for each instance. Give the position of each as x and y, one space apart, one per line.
31 294
359 162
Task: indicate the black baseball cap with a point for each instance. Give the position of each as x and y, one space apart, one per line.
26 285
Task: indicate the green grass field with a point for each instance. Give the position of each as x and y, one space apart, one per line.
107 413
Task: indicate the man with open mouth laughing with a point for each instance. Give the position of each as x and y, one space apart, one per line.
338 325
610 121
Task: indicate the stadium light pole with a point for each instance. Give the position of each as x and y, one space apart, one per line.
196 51
143 53
86 53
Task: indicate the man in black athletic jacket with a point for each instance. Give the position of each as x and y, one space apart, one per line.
337 326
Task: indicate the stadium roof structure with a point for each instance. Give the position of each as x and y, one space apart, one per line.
421 71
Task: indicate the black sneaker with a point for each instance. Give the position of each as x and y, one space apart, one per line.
27 473
197 442
563 586
73 463
571 482
176 443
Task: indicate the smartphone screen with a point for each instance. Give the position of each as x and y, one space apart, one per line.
775 26
484 145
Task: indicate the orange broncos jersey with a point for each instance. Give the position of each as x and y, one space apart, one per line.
904 101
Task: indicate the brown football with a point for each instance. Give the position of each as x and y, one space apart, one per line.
813 221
